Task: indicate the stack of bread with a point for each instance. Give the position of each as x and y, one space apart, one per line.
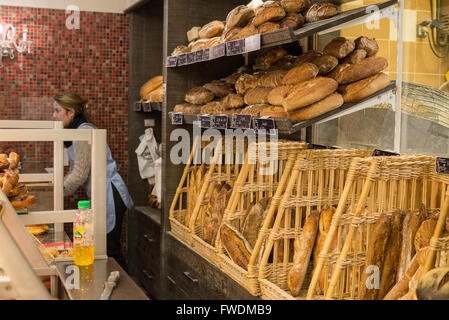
302 87
151 91
399 246
257 17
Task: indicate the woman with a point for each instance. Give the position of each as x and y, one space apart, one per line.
70 108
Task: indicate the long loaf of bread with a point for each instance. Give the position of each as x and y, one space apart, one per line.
401 287
375 256
303 250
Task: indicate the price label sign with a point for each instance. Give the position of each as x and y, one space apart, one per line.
235 47
241 121
146 107
204 121
182 59
156 106
206 54
191 57
217 51
220 121
442 165
199 55
252 43
172 62
176 118
382 153
264 123
138 106
318 147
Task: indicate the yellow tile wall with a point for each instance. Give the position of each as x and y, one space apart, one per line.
420 65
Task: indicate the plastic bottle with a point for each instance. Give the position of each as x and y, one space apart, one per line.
83 235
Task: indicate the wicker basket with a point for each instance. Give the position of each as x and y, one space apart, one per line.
317 180
374 186
256 182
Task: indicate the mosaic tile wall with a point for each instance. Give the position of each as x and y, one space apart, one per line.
91 60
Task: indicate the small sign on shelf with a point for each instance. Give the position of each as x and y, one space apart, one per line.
241 121
442 165
204 121
191 57
146 106
264 123
220 121
182 59
319 147
172 61
177 118
382 153
235 47
217 51
138 106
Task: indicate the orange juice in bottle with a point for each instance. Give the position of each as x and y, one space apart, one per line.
83 235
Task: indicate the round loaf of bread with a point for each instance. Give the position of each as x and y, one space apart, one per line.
255 109
269 57
229 34
359 90
277 95
339 47
293 6
245 32
213 107
271 12
304 72
199 95
182 107
150 86
369 45
180 50
199 44
293 20
212 29
239 17
320 11
434 285
319 108
219 88
246 82
268 27
309 92
274 112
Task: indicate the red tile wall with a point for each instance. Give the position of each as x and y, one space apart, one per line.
92 61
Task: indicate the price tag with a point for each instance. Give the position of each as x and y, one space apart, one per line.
318 147
252 43
241 121
204 120
220 121
191 57
182 59
172 61
146 107
199 56
264 123
156 106
206 54
138 106
176 118
442 165
217 51
382 153
235 47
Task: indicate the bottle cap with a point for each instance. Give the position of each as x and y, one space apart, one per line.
83 204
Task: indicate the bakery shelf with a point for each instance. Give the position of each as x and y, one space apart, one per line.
287 126
146 106
342 20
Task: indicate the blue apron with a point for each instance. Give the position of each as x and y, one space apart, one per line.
113 177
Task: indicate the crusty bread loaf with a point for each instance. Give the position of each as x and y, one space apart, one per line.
293 6
212 29
434 285
213 107
150 86
325 63
257 95
424 234
255 109
369 45
213 42
299 74
156 95
236 246
274 112
303 246
286 63
232 101
375 255
309 92
321 11
272 11
268 58
329 103
277 95
293 20
360 70
245 32
307 57
199 95
180 50
364 88
354 57
229 34
253 221
219 88
268 26
272 79
392 254
246 82
401 287
199 45
239 17
193 34
183 107
339 47
217 213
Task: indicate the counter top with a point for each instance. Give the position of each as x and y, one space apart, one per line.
92 278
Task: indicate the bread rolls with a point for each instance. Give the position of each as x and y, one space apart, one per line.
21 202
309 92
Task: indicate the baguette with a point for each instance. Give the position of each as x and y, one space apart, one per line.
303 249
319 108
339 47
277 95
359 90
257 95
274 112
401 287
238 249
360 70
375 255
272 79
299 74
309 92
